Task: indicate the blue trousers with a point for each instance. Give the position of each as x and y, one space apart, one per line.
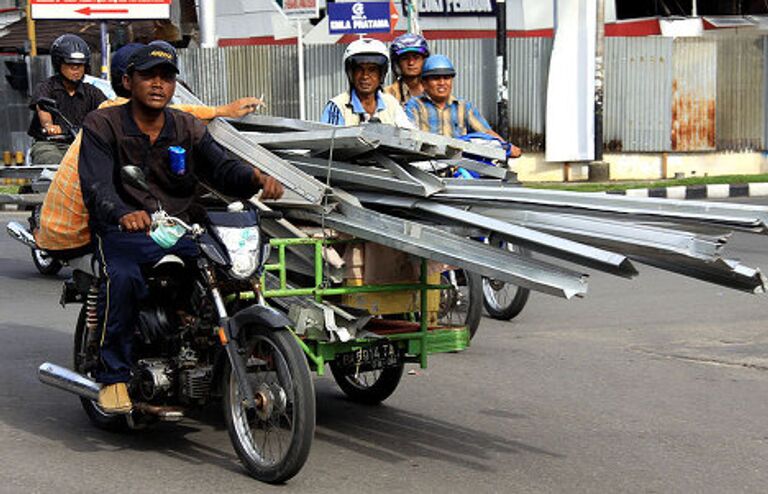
123 288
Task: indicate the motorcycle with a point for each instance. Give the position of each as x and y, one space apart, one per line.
45 263
193 344
471 293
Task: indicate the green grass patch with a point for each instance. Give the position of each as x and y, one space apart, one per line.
609 186
9 189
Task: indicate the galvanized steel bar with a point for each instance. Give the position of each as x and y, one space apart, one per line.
360 177
439 245
541 242
754 218
630 239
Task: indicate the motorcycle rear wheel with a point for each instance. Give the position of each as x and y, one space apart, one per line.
272 441
106 421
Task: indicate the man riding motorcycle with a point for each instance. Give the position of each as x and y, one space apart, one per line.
70 56
173 149
61 228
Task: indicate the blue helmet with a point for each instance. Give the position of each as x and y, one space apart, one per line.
119 65
407 43
438 65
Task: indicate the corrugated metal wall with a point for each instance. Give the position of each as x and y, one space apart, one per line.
271 71
15 117
740 108
638 94
325 76
694 90
204 70
528 71
660 94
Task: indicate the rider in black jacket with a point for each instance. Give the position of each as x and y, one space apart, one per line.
140 133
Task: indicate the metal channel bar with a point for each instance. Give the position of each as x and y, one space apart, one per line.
349 139
433 243
684 253
481 168
752 217
299 182
268 123
431 183
450 148
292 178
339 175
568 250
724 272
630 239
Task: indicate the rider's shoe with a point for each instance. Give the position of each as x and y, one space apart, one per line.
113 398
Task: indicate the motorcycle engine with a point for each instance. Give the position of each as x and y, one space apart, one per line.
155 379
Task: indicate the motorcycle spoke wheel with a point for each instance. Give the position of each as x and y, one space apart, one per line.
461 305
273 439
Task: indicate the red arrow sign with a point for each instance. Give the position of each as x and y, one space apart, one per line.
89 11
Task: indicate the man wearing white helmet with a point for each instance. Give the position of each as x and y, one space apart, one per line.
365 63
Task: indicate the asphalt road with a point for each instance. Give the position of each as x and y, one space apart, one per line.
657 384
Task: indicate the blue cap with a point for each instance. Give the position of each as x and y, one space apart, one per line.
120 58
438 65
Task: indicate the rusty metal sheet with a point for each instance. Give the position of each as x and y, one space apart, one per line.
694 90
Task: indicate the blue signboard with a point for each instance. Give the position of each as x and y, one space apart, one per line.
358 17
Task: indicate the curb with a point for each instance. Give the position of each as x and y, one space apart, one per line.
710 191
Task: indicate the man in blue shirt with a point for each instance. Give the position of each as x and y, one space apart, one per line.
439 112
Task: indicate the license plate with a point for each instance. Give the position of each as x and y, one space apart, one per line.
375 356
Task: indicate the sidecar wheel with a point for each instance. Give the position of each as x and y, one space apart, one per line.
368 388
272 440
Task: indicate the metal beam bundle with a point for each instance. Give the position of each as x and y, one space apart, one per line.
376 182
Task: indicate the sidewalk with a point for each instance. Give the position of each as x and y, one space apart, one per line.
709 191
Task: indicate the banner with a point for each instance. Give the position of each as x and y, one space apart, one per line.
456 8
359 18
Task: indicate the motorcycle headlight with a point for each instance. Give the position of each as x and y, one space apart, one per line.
244 248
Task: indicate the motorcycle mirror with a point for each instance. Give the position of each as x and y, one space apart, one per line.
48 104
133 176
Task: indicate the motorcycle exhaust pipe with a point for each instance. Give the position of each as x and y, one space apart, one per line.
17 232
63 378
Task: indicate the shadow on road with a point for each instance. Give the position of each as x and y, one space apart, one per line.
394 435
383 432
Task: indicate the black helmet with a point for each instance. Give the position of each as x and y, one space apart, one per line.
69 48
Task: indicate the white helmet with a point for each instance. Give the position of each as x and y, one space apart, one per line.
366 50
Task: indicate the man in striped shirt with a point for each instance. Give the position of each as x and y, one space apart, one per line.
439 112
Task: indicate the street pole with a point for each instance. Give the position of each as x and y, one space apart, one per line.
104 50
599 79
207 21
502 99
300 48
31 35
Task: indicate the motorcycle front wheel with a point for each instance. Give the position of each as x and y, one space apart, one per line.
272 440
504 301
463 303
